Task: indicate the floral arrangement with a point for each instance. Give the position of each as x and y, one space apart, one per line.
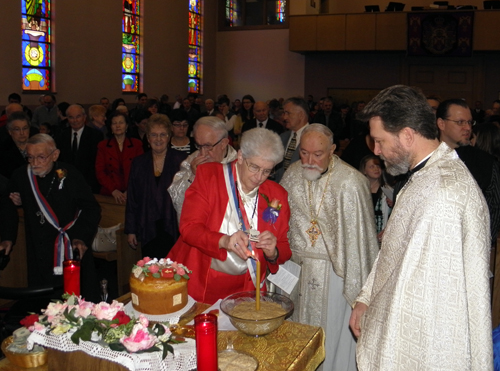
272 211
61 175
103 323
165 268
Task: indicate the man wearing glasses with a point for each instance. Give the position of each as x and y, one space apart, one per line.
454 120
61 216
210 135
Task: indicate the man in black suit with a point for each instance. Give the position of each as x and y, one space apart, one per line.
209 108
78 145
262 120
330 118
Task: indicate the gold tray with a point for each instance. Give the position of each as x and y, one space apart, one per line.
26 360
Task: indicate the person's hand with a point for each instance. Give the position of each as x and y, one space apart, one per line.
201 159
7 246
390 203
267 242
132 241
16 198
80 245
380 235
236 243
355 320
120 197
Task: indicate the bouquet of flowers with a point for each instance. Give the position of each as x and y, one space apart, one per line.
103 323
160 268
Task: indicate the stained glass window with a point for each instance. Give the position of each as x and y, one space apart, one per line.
131 51
255 13
36 47
195 71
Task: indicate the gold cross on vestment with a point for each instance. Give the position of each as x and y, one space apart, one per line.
313 232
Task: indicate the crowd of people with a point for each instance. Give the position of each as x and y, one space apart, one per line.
389 207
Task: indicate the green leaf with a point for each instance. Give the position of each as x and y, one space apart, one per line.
177 277
119 347
154 348
159 329
265 198
156 275
186 276
83 333
167 348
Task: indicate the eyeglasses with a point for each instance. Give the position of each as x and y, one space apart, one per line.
180 125
155 135
208 147
18 130
39 158
463 122
257 169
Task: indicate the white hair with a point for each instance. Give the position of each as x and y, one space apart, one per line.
263 143
319 128
215 123
43 139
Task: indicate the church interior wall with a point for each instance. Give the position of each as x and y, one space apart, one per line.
358 6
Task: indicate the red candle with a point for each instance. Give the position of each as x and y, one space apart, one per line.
71 273
205 327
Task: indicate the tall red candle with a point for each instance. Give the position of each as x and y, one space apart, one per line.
71 273
205 327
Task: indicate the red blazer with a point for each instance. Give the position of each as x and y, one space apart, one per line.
202 215
109 160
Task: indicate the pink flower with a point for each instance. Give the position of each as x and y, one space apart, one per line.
104 310
175 265
141 263
39 327
54 309
139 339
146 259
153 269
143 321
84 308
181 271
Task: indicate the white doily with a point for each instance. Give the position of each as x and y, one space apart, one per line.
183 359
173 318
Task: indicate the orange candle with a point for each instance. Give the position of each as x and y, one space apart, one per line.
257 285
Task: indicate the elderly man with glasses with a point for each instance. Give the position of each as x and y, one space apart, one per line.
212 144
233 215
454 120
61 216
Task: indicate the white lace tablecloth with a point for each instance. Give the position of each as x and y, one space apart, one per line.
183 359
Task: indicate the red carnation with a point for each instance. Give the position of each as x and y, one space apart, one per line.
141 263
146 259
29 321
122 318
153 268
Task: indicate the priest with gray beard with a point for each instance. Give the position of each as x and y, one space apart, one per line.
332 236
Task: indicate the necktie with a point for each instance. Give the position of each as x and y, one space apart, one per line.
289 151
74 146
261 124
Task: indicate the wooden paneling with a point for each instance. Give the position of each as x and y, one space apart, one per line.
486 30
303 33
360 32
445 81
331 32
391 31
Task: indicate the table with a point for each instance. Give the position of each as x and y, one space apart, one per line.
292 347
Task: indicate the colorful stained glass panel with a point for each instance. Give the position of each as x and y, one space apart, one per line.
195 40
35 44
131 30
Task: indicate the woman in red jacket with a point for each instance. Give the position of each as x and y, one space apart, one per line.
114 158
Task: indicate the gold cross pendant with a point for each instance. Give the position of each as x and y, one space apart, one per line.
313 232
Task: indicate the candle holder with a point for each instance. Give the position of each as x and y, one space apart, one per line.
205 327
71 273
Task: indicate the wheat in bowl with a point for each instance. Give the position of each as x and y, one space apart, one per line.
240 308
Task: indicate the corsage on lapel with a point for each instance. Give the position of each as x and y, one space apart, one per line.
272 211
61 175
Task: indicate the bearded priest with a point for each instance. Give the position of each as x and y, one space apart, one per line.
332 236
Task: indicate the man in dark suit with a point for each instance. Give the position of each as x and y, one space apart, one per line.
330 118
78 145
262 120
296 116
209 108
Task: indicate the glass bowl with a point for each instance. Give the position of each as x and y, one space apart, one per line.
257 327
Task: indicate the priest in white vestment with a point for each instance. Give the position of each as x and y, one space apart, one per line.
332 236
426 303
210 135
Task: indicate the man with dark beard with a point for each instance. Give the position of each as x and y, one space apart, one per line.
454 120
426 302
332 236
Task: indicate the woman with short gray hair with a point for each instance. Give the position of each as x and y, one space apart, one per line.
232 212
